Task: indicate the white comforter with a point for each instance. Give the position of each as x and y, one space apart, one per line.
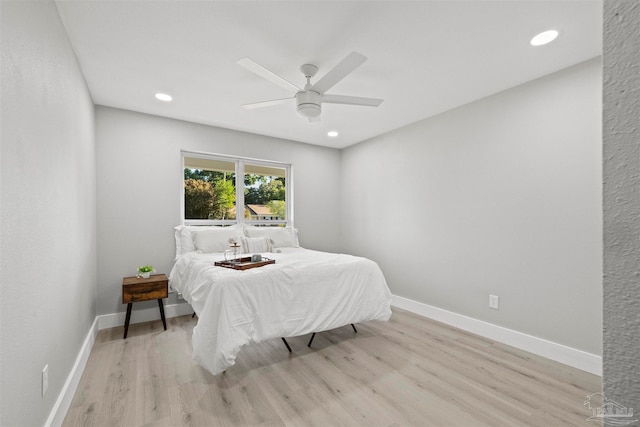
305 291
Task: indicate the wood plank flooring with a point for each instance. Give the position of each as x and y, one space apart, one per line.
410 371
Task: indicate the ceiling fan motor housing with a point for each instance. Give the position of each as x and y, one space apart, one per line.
308 104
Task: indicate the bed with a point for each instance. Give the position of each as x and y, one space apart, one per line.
304 292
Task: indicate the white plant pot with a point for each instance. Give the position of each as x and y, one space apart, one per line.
145 275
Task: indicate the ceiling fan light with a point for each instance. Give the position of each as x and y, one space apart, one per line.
309 111
308 104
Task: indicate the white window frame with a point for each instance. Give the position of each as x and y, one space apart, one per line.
240 163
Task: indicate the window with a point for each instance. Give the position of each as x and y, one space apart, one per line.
212 192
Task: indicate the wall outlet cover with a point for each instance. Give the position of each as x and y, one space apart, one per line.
494 302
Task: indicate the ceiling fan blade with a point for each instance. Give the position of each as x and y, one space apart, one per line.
266 103
352 100
269 75
339 72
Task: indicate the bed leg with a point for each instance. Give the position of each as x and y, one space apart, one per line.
287 344
311 340
193 315
354 328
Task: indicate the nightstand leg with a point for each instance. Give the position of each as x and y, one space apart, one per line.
126 321
164 322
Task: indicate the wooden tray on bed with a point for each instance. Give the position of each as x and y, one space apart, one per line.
244 263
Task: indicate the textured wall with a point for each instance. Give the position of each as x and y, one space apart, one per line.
48 210
621 176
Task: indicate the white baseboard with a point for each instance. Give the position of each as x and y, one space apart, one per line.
59 410
560 353
145 315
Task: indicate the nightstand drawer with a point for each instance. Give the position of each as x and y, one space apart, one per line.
137 289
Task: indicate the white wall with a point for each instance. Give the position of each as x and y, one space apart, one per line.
501 196
139 181
48 211
621 358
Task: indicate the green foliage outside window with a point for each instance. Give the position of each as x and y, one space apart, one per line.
277 208
209 200
267 191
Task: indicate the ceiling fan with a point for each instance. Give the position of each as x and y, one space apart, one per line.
310 98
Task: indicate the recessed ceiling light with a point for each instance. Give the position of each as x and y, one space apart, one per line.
163 97
544 38
332 133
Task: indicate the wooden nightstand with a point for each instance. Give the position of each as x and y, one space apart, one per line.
136 289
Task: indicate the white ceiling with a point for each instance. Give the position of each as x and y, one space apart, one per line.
424 57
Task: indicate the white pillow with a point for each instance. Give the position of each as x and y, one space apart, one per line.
256 244
184 240
184 236
215 239
282 237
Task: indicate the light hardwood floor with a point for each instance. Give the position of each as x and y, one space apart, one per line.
410 371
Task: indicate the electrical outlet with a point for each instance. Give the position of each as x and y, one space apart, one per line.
494 302
45 379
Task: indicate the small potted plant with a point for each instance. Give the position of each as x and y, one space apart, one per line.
145 271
